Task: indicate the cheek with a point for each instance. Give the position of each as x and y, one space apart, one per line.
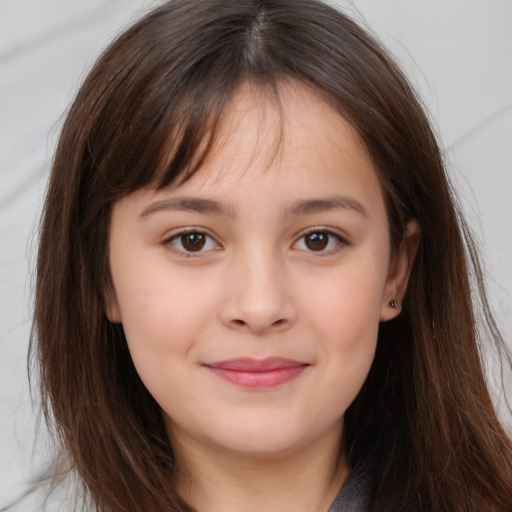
164 322
344 317
347 304
163 312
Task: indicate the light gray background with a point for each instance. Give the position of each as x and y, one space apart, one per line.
458 53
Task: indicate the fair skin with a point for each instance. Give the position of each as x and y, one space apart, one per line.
251 296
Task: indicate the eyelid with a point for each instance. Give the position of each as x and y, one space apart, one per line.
326 229
342 239
167 241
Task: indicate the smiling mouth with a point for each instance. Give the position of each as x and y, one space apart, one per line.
257 373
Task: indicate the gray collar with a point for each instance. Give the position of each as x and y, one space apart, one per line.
356 493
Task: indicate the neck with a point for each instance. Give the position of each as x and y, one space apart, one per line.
308 479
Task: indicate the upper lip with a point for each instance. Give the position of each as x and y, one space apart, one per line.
248 364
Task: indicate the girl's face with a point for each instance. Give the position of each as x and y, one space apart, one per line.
251 295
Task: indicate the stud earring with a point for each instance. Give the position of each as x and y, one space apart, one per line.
393 303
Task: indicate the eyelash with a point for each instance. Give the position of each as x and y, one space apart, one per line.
169 242
330 233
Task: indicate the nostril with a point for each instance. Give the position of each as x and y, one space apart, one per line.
239 322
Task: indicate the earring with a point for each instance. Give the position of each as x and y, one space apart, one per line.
393 303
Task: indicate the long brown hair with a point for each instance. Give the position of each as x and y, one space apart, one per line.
424 416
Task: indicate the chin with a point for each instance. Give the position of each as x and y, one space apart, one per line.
274 441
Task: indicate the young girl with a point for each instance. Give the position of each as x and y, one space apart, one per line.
253 286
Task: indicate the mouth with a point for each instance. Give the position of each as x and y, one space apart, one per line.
257 373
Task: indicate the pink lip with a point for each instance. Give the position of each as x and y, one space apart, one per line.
258 373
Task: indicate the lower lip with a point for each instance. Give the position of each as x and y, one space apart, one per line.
260 379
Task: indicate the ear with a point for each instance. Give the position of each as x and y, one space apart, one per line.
112 311
399 271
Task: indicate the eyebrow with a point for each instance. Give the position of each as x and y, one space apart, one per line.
189 204
300 207
310 206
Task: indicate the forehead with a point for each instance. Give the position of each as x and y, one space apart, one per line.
286 129
281 149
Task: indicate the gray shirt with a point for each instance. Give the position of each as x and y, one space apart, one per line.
355 495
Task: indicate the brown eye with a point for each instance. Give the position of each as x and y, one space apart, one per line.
322 241
188 243
193 242
317 241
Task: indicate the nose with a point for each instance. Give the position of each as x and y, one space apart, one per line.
258 298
